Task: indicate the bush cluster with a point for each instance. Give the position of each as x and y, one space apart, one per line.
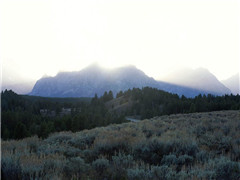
190 146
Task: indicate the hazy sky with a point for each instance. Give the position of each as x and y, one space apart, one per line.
41 37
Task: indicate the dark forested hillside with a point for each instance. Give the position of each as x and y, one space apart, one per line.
24 116
149 102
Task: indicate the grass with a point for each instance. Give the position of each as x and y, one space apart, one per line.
182 146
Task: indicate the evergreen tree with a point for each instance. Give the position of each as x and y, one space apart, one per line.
20 131
120 94
110 95
44 131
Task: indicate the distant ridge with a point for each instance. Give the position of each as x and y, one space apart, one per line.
233 83
199 78
95 79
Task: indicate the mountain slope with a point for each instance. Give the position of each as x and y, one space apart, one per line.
233 83
94 79
199 78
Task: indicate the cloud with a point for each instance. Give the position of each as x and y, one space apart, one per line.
44 37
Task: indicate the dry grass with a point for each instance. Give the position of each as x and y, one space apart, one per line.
200 144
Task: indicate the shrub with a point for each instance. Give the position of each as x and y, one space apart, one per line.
202 156
185 160
72 152
121 163
226 169
162 172
110 146
75 166
82 142
44 167
100 165
199 130
62 137
236 154
148 133
10 168
33 146
218 142
224 144
182 175
202 174
89 155
34 171
52 167
152 151
139 173
186 147
169 160
226 129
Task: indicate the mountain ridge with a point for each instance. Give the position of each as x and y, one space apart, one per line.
199 78
96 80
233 83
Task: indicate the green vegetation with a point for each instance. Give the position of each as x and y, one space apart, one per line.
150 102
182 146
25 116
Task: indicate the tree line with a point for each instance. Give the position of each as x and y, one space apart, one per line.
21 115
150 102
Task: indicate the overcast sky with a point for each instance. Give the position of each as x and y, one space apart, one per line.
43 37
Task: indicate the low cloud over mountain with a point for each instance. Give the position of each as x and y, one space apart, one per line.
94 79
233 83
199 78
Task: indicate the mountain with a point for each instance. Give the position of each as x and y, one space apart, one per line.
233 83
95 79
199 78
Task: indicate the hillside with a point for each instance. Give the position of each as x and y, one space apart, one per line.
199 78
23 116
120 105
184 146
96 80
149 102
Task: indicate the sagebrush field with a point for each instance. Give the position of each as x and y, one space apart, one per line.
184 146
